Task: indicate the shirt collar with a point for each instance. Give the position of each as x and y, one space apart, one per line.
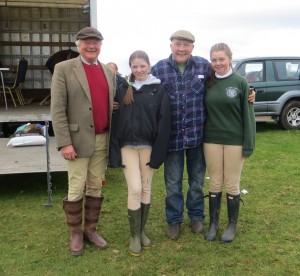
188 62
88 63
224 76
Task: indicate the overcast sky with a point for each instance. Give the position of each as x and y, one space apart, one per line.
250 28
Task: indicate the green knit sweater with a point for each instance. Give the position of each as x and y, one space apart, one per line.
230 116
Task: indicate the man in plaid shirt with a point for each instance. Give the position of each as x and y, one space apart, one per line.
184 77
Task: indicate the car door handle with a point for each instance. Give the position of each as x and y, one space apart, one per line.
260 91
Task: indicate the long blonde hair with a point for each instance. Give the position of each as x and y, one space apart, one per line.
128 99
218 47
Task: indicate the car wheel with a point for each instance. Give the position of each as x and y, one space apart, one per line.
290 116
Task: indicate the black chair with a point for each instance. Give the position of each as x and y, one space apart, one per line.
18 84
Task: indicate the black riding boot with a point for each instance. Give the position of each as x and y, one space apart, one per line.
233 206
214 214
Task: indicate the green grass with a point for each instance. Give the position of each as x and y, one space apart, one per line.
34 239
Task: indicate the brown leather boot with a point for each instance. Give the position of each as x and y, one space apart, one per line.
92 208
73 210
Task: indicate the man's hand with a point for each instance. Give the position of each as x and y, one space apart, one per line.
251 97
68 152
116 105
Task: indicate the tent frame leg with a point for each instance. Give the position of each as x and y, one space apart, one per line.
49 184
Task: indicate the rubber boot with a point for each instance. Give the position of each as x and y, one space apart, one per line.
135 246
92 209
73 210
233 206
214 215
145 241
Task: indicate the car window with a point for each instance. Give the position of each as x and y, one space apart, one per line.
252 71
286 69
234 63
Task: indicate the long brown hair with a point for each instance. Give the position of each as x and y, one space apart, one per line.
128 99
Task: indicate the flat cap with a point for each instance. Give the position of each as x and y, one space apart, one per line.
183 35
89 32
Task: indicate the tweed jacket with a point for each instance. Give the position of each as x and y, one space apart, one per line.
71 106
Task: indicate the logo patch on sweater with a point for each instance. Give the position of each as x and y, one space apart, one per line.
231 92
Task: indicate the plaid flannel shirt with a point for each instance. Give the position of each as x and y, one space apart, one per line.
186 95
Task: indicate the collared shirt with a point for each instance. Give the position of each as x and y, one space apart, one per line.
87 62
186 95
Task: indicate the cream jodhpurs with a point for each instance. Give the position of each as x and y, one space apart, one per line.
224 165
138 175
88 172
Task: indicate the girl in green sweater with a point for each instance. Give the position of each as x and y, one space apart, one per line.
229 137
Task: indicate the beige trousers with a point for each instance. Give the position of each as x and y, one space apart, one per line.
138 175
88 173
224 165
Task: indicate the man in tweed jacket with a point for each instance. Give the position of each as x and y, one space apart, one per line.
82 93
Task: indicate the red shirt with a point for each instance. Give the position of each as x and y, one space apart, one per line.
99 95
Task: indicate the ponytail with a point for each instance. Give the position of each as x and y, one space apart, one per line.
128 99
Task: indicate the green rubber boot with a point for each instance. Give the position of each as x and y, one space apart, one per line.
135 247
145 241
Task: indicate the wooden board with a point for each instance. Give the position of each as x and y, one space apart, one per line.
44 3
29 159
26 113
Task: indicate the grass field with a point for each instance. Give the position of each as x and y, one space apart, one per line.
34 239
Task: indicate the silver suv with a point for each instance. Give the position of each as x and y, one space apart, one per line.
277 84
